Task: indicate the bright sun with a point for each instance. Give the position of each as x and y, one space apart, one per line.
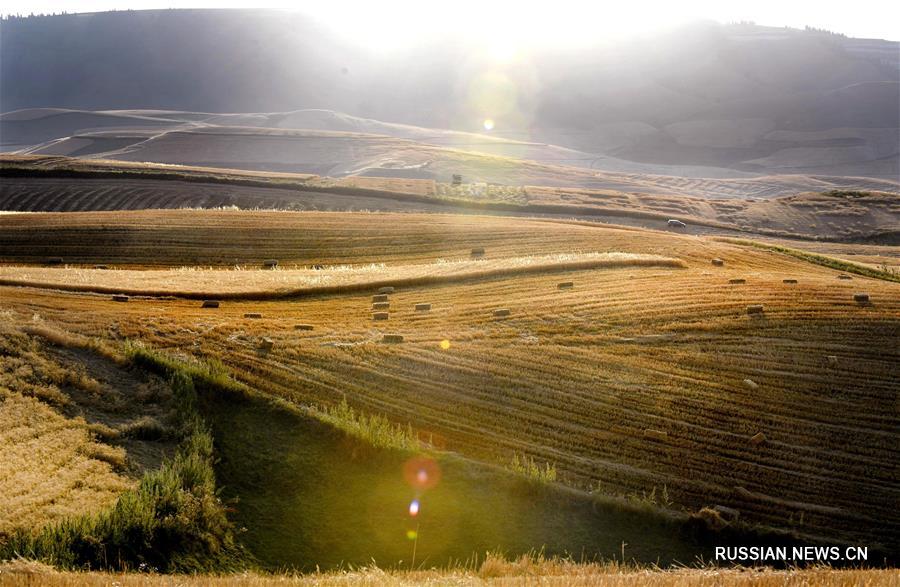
488 124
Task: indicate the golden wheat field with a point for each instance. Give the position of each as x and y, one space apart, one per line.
655 381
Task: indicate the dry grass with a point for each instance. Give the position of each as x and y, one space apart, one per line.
495 570
260 284
52 466
574 377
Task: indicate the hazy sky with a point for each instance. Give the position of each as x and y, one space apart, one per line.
397 22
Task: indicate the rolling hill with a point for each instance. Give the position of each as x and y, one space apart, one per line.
651 379
717 100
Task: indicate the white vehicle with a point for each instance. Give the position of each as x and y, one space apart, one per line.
676 223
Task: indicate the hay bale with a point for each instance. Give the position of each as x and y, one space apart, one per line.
303 326
252 315
655 434
54 261
791 281
379 298
210 304
718 262
381 305
832 359
757 439
386 290
728 514
270 263
423 307
120 298
478 252
755 310
751 384
737 281
565 285
392 338
266 344
844 276
379 316
861 298
501 312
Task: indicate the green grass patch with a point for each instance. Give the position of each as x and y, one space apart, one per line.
372 428
527 467
823 260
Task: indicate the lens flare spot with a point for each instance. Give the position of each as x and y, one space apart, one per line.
414 508
488 124
445 344
421 472
412 534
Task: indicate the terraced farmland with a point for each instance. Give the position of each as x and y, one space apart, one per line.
813 209
635 379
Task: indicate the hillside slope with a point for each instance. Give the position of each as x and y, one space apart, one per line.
738 98
649 379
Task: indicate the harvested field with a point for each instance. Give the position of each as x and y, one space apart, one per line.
64 417
629 349
494 570
789 206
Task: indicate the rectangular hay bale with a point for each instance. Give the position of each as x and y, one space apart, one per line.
755 309
381 306
380 298
303 326
392 338
210 304
501 312
655 434
120 298
737 281
252 315
379 316
861 298
565 285
423 307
